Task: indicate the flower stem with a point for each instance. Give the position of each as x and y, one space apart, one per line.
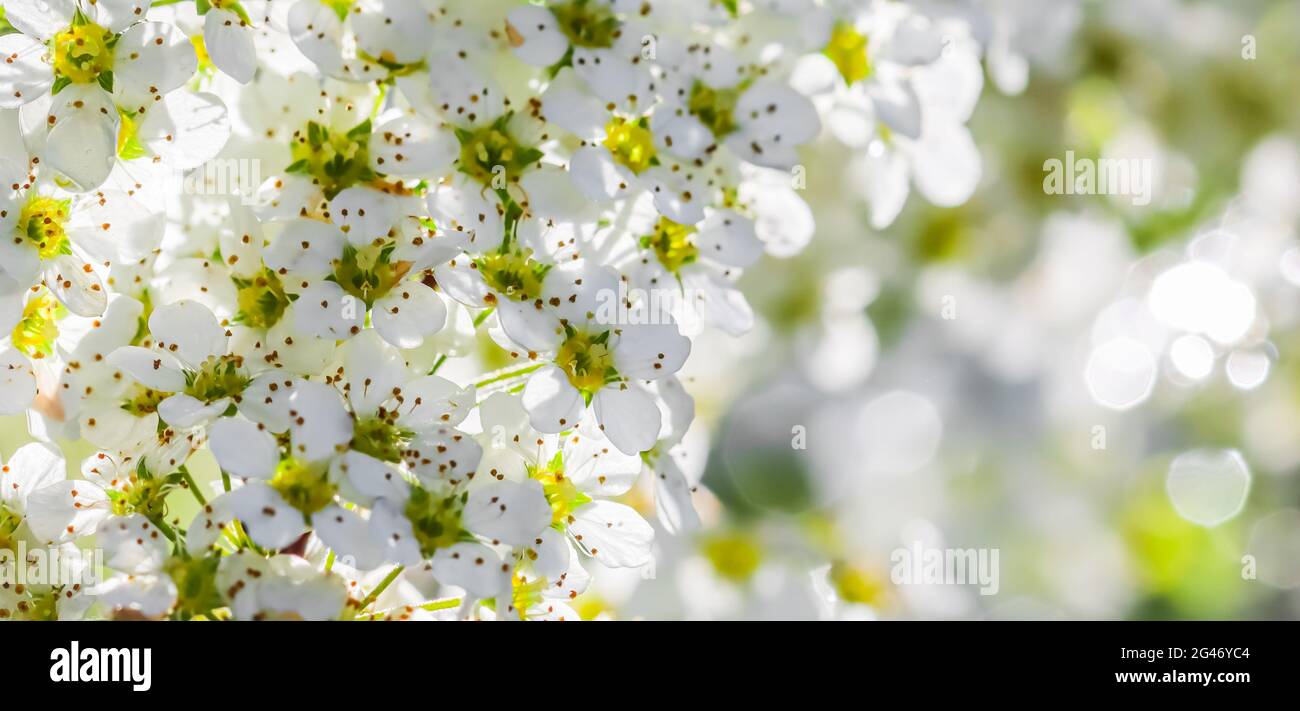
193 487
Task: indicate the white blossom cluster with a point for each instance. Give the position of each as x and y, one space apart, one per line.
261 228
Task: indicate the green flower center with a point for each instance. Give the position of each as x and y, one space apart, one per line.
42 222
367 274
847 50
587 24
196 584
143 401
380 438
38 328
435 520
219 377
261 299
335 160
672 244
491 151
303 486
586 360
715 108
9 523
143 495
516 274
82 52
631 142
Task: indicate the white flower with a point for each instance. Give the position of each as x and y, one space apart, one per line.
78 69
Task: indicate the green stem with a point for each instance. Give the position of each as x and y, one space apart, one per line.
438 364
508 375
478 320
225 479
450 603
189 482
381 587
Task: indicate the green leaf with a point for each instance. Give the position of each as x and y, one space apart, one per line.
106 81
59 84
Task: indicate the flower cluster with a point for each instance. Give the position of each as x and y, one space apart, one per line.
412 280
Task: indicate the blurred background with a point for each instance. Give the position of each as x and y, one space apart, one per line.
1107 395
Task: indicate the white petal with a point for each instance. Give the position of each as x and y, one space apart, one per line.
189 130
82 142
134 545
613 534
474 567
305 248
650 351
203 531
23 74
318 33
729 238
370 479
447 455
673 498
365 215
628 416
408 314
374 370
529 325
117 15
150 59
66 510
513 513
535 35
33 467
159 371
349 536
185 412
884 184
553 404
431 401
17 381
410 145
947 164
189 331
40 18
320 424
596 466
230 44
470 99
243 448
269 521
324 310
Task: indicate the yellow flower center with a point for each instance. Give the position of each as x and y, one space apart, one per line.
514 274
848 51
38 327
632 144
561 493
586 360
81 53
41 223
734 556
304 487
672 244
